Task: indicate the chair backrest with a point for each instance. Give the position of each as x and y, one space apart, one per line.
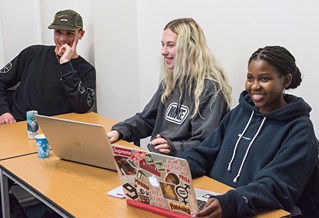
309 199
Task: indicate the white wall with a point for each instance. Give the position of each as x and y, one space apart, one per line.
20 27
234 30
24 23
116 58
127 34
2 62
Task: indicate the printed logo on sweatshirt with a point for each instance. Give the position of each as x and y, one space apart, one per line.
6 68
81 88
243 137
175 116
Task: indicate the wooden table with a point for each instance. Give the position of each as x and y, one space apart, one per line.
14 140
73 189
78 190
69 188
216 186
15 143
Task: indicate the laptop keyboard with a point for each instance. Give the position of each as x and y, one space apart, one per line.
201 204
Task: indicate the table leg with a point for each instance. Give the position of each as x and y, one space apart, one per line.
4 195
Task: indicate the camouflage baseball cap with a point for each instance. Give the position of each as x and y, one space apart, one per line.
67 20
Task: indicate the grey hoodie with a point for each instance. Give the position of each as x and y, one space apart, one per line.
173 120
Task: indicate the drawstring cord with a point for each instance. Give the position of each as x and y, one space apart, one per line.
236 145
249 146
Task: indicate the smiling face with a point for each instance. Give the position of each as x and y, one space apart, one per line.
169 48
62 37
265 86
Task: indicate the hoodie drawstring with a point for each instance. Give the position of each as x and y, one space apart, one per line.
236 145
248 148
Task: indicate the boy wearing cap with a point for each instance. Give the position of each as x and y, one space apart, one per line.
52 79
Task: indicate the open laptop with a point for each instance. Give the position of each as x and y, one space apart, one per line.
158 183
78 141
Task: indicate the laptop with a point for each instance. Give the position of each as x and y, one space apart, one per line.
79 142
158 183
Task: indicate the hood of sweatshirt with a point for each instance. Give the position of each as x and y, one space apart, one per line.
296 107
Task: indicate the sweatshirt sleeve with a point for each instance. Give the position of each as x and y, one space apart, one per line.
202 157
80 92
10 75
281 182
140 125
212 110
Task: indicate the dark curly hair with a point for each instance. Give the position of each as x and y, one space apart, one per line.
283 61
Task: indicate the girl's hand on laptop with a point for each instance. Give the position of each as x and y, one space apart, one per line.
113 135
161 144
212 209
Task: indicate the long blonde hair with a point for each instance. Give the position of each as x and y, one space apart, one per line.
194 63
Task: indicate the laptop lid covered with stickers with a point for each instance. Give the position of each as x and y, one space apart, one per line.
155 182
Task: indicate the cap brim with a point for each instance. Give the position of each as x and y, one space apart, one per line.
58 27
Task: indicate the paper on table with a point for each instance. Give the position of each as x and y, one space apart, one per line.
117 192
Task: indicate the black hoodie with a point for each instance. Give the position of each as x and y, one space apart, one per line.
268 159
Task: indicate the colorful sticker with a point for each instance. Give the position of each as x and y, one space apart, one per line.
144 199
132 192
179 207
131 163
157 198
182 192
140 174
149 158
169 191
185 179
143 185
122 151
172 178
137 156
175 166
160 166
149 167
124 166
